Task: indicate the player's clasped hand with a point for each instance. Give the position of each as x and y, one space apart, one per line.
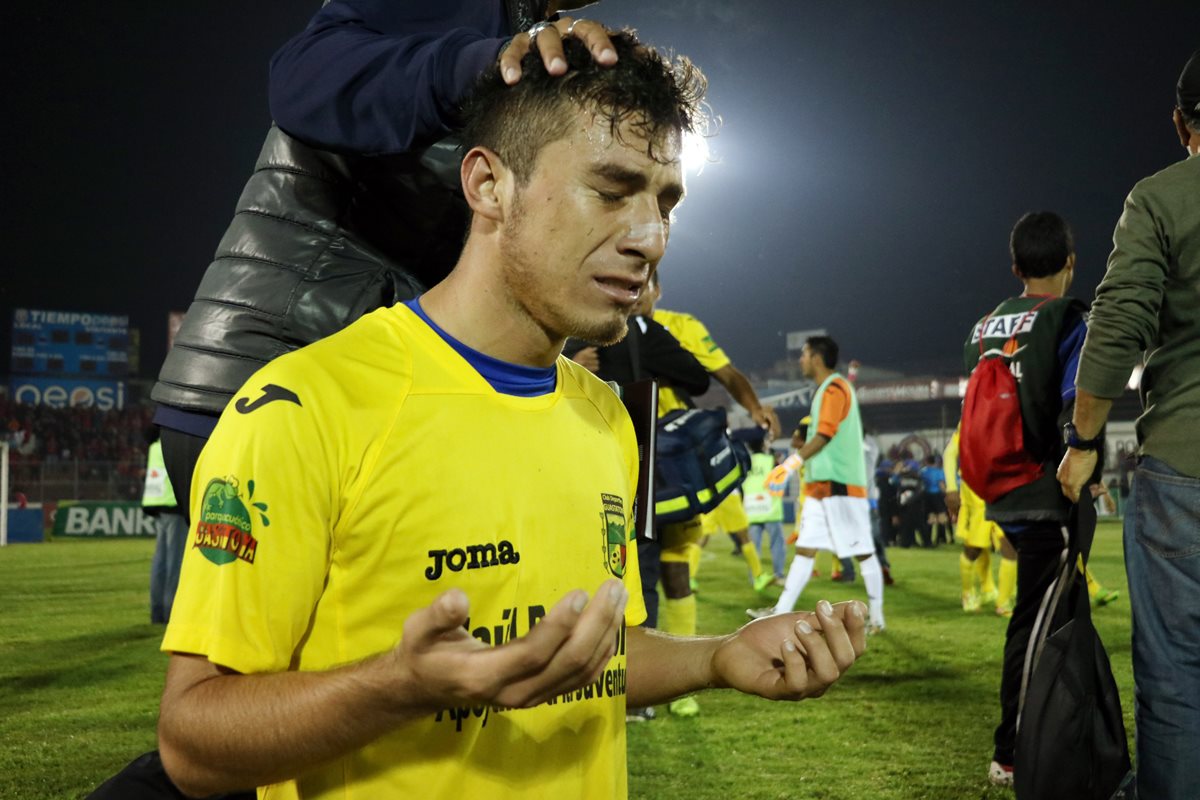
548 40
793 656
566 650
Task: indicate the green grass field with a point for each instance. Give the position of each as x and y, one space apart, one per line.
80 675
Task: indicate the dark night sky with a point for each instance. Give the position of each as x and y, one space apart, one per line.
871 160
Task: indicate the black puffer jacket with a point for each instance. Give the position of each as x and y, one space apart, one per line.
317 241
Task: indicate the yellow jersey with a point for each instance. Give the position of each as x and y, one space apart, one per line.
353 481
696 339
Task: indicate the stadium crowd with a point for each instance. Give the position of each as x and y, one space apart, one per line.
95 444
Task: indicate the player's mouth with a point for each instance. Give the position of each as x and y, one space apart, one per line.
622 290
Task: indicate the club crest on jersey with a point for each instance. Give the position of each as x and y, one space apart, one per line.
612 521
224 532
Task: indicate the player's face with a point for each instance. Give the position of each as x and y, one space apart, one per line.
589 227
806 362
650 294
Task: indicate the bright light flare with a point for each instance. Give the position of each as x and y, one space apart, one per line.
695 153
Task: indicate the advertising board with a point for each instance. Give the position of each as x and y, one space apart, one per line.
67 392
87 518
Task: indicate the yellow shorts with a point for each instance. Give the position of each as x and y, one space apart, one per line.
678 538
973 529
730 516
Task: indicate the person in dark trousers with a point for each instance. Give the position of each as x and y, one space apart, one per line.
1049 328
909 508
888 512
937 520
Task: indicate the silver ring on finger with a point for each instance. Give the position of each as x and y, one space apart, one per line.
538 28
571 27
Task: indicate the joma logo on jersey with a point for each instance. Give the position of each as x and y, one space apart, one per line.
473 556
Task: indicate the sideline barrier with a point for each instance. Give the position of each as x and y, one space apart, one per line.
25 525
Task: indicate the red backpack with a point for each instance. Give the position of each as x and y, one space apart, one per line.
991 445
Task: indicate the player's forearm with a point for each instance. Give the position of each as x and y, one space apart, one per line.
1091 412
813 446
661 667
227 732
739 388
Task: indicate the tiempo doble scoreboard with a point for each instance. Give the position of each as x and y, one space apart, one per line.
69 358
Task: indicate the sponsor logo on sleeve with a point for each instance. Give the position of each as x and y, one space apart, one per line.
225 530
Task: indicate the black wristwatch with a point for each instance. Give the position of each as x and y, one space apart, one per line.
1071 438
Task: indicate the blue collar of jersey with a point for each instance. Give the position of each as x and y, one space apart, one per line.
512 379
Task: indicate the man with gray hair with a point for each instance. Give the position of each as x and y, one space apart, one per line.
1149 301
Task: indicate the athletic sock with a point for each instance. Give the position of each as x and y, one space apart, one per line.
872 577
1092 584
693 557
1008 583
797 579
966 572
752 560
987 584
680 616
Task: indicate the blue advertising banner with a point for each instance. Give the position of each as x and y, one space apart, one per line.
72 343
67 392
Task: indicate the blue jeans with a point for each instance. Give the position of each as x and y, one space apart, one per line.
775 531
1162 560
166 564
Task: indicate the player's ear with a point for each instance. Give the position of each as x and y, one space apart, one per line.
1185 136
486 183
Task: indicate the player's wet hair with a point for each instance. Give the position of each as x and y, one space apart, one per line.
1040 244
658 96
825 347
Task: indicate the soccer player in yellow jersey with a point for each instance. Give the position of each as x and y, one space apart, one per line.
979 536
409 572
695 338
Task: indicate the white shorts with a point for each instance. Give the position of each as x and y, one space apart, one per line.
838 524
